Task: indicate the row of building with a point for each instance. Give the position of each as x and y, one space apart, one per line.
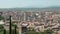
39 21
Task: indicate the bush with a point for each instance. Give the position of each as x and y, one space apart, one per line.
1 18
48 31
31 32
45 32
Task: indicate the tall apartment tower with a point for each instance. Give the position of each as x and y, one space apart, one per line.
24 16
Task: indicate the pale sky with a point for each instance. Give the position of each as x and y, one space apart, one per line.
28 3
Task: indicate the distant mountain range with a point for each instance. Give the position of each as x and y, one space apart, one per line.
18 9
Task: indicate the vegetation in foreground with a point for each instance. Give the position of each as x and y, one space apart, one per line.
45 32
2 30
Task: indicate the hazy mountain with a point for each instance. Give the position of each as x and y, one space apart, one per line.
19 9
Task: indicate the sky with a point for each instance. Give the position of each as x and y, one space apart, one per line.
28 3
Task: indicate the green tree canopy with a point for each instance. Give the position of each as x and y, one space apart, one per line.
1 18
45 32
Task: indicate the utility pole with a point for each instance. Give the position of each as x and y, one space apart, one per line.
10 25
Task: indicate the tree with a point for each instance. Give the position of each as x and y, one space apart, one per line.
49 31
1 17
30 32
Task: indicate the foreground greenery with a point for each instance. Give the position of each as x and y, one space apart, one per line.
28 32
45 32
1 17
7 31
